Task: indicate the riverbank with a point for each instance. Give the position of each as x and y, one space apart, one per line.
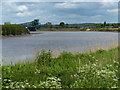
90 70
10 36
81 29
13 30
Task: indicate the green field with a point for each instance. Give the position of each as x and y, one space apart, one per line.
90 70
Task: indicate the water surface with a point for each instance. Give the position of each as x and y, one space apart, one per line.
17 49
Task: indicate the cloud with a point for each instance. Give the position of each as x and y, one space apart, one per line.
109 0
61 0
70 12
22 8
95 0
15 9
108 4
112 10
21 1
22 14
81 18
65 5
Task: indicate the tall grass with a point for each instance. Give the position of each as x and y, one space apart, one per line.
88 70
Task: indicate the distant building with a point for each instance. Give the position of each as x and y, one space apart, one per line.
32 28
34 23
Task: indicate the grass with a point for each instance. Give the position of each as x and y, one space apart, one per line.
89 70
81 29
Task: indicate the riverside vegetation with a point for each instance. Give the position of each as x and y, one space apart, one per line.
13 29
88 70
81 29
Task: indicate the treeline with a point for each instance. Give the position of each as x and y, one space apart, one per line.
102 25
114 27
13 29
86 25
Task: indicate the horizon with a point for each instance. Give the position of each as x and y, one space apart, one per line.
65 23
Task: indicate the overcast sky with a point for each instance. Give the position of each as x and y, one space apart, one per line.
56 12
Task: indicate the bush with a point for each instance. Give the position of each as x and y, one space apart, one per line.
13 29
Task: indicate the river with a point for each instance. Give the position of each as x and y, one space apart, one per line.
19 49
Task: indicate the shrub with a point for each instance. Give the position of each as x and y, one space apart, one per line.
13 29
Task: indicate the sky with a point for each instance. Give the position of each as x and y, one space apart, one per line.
56 12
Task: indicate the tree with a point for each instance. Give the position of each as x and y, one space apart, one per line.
48 24
62 24
67 25
107 24
104 24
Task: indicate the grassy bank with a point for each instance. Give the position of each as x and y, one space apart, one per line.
81 29
90 70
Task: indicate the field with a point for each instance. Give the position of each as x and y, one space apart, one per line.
90 70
